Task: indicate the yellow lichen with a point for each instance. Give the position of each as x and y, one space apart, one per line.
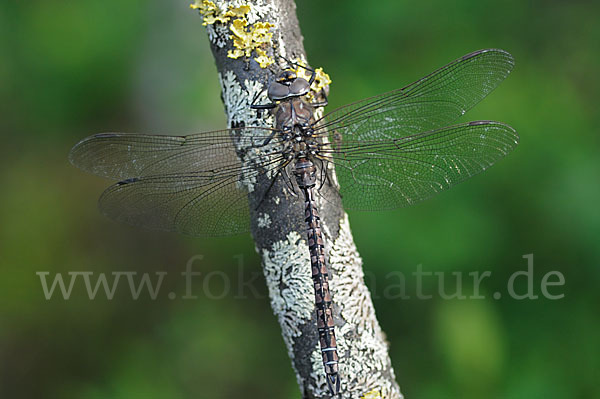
240 11
204 6
241 39
322 80
262 59
210 12
246 38
374 394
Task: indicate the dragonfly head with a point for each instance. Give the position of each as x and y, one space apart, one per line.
287 85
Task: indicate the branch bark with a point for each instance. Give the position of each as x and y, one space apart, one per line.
278 228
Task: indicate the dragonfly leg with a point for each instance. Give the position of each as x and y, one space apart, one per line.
288 181
268 189
323 169
260 107
312 71
282 171
263 106
268 139
321 103
313 76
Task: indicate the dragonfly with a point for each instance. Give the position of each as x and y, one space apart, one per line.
388 151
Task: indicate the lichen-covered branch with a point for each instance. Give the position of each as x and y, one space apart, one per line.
247 39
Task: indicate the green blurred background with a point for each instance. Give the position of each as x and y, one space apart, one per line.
69 69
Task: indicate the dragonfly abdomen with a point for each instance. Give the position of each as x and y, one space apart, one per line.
305 173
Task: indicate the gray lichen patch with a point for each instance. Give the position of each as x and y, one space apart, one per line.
238 99
250 142
288 279
264 220
363 350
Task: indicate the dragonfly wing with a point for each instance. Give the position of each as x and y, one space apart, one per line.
121 155
430 103
395 173
195 185
197 205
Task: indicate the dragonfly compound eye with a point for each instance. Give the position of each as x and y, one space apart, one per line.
299 87
278 91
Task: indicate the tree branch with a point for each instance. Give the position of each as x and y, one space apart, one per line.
278 224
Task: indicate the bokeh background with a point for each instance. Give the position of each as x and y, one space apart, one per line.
70 69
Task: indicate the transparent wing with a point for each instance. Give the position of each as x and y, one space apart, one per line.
394 173
195 185
189 204
427 104
122 155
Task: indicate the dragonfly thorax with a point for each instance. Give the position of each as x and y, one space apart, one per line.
294 119
294 115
